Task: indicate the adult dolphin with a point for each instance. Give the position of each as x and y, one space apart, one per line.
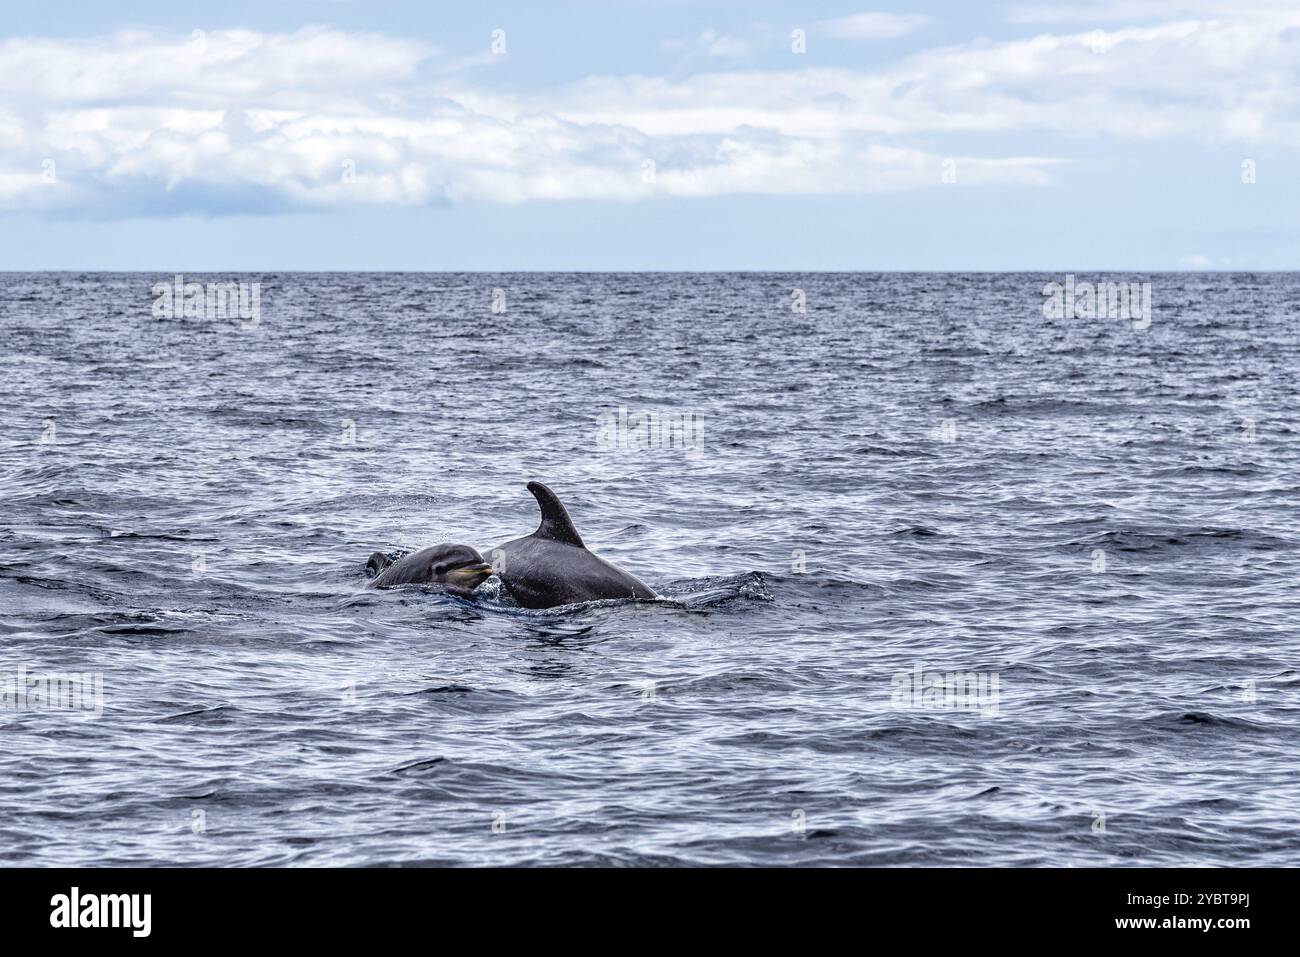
553 567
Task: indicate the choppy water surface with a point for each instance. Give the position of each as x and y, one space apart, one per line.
921 472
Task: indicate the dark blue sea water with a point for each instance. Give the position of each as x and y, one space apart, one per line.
1091 527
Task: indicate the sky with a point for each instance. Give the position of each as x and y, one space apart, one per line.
650 135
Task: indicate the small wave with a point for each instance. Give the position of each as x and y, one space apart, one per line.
1004 405
443 689
1207 470
714 592
892 452
215 715
1139 540
1189 720
750 682
418 766
917 531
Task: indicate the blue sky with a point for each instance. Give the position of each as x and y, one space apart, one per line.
1048 135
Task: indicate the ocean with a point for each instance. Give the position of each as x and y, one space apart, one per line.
955 571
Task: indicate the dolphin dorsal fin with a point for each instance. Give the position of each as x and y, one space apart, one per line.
556 524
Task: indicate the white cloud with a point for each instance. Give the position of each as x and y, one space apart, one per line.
873 25
707 50
226 65
709 43
240 120
1129 11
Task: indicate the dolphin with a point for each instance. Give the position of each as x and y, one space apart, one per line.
459 567
553 567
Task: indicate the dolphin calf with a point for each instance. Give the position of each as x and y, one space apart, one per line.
459 567
553 567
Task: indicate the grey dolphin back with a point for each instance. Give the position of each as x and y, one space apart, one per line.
552 566
556 524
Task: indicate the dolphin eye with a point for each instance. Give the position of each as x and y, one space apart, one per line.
439 569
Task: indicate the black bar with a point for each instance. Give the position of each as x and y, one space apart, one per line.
331 908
